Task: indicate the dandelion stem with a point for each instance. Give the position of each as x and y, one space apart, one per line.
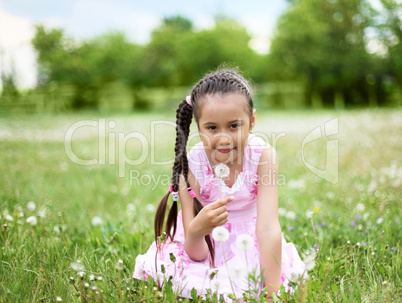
315 235
220 188
119 286
248 278
227 269
322 286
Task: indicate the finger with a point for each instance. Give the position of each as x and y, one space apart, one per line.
222 222
220 202
223 217
220 210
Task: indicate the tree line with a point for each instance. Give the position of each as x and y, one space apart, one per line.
333 53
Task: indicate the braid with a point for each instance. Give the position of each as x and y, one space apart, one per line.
183 121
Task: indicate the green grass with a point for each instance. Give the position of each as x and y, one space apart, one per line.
35 262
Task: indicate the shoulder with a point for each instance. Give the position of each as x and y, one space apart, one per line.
266 152
196 152
268 159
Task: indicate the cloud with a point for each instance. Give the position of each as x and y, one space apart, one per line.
90 17
16 52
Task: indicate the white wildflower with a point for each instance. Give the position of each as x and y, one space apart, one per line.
309 214
296 184
119 265
9 218
372 186
91 277
32 220
58 299
151 208
291 215
238 271
21 214
220 234
31 206
222 170
244 242
131 208
309 259
380 220
42 213
281 211
360 207
365 216
96 221
77 266
294 277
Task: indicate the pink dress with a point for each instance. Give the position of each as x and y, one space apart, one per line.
186 273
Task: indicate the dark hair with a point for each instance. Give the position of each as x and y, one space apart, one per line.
218 82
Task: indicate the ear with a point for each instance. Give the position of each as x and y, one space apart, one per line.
252 120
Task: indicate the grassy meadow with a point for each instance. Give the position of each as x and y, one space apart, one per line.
88 217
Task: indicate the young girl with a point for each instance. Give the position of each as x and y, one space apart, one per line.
244 202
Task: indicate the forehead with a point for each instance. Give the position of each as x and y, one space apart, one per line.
219 108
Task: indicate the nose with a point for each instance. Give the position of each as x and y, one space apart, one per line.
224 139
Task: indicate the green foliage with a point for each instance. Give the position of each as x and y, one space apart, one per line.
322 44
319 57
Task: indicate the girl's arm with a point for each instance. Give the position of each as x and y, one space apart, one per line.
268 230
196 227
194 245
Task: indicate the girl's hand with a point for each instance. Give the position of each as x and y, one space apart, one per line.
210 216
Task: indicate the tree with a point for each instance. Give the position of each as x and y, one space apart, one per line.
322 44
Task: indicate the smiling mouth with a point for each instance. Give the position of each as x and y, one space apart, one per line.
225 150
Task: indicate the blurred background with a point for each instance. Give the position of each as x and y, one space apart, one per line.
146 55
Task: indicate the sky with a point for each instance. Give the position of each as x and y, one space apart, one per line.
83 19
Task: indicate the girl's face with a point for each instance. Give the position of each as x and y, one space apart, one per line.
224 124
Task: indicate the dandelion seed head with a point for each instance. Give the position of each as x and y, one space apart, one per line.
222 170
220 234
291 215
244 242
32 220
281 212
77 266
97 221
360 207
294 277
150 208
31 206
238 271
